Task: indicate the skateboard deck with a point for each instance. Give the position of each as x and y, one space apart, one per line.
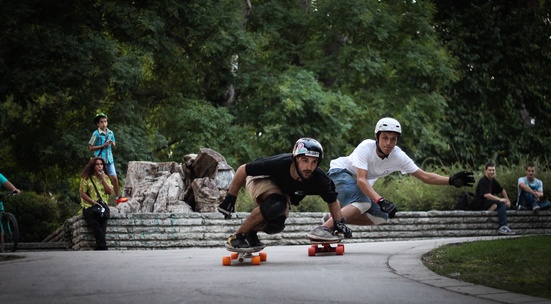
319 246
254 254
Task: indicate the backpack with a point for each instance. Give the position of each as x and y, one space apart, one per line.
464 201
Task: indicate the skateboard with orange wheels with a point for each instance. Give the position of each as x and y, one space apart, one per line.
242 255
319 246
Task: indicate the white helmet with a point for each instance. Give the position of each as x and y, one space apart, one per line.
388 124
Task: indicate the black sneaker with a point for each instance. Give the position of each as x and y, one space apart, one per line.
237 241
253 240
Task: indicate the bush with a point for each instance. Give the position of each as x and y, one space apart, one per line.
38 215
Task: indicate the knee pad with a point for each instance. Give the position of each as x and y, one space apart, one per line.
362 206
276 225
274 206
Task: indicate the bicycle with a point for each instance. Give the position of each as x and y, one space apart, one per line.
8 228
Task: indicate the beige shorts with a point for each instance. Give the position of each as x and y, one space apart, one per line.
260 187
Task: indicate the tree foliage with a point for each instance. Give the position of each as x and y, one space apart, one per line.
500 107
248 78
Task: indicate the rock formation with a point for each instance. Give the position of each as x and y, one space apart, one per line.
199 184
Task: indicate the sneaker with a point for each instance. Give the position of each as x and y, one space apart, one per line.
253 240
521 208
505 230
325 218
238 241
322 233
121 200
536 208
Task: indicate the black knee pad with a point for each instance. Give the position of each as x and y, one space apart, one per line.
276 225
274 206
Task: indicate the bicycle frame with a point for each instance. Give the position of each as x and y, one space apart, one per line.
9 230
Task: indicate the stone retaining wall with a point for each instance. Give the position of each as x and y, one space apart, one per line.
133 231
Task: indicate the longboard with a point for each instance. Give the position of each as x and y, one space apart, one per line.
319 246
242 255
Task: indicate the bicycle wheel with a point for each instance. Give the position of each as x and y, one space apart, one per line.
10 232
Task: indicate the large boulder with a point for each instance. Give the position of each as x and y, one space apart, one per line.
199 184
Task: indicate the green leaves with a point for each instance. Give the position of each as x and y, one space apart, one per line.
175 76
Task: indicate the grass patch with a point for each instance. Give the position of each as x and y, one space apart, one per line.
521 265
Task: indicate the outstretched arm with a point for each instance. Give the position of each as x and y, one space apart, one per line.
459 179
431 178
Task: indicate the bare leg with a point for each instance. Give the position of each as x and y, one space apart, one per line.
115 182
494 206
353 217
254 222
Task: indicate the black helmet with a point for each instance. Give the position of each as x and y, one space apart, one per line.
309 147
98 116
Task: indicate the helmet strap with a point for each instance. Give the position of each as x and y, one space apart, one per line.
381 151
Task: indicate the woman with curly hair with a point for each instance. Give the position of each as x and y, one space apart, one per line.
95 189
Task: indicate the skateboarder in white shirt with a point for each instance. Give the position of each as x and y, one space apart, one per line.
354 176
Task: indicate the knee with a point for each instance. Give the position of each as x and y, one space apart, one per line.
273 207
276 225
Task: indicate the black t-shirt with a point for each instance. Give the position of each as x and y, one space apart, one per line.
485 185
277 167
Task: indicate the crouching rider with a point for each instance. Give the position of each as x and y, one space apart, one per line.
275 183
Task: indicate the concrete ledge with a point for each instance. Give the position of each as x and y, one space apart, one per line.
173 231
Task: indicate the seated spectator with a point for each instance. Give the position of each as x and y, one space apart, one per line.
486 198
530 191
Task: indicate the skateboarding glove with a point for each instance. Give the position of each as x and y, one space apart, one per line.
341 228
227 206
387 207
461 179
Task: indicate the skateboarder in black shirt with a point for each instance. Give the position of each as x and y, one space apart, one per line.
275 183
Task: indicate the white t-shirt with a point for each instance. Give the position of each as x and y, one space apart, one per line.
365 157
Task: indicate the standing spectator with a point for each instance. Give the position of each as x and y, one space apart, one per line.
101 143
486 198
4 182
355 174
94 189
530 191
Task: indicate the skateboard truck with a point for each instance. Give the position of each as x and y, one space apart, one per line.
325 247
242 256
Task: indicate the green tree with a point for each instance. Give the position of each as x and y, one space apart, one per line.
499 109
384 58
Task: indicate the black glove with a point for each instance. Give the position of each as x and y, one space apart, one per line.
341 228
387 207
227 206
461 179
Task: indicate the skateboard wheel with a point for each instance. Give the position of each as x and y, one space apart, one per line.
255 260
340 250
263 256
226 261
312 251
342 246
234 255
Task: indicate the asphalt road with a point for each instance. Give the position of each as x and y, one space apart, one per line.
378 272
